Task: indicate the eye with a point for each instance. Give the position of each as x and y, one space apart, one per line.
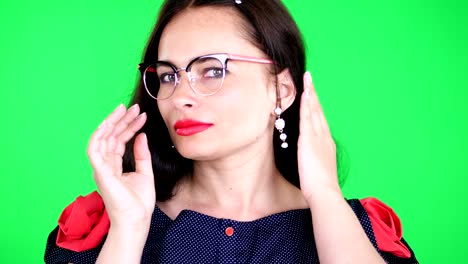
213 72
167 78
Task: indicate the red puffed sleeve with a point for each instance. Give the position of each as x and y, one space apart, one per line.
83 224
386 226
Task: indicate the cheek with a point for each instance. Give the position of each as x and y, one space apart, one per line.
247 109
164 111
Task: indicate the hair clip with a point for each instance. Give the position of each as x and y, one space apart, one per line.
238 2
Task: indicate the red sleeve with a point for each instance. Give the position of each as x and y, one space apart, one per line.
83 224
386 226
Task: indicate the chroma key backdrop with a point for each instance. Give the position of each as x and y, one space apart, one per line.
391 77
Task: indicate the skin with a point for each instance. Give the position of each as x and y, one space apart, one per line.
234 167
234 172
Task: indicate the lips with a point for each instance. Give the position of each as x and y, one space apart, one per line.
190 127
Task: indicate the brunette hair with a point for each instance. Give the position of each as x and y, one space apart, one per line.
269 27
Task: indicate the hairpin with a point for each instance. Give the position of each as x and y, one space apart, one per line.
238 1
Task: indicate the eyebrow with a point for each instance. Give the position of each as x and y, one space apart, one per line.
190 59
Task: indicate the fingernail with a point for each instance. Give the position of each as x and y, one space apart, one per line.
133 106
141 115
120 105
308 78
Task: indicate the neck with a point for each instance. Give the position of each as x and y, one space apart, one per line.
243 186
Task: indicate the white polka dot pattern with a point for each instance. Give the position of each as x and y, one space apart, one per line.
193 237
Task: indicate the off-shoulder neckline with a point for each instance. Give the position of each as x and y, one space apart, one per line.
187 213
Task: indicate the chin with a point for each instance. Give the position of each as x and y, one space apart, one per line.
195 151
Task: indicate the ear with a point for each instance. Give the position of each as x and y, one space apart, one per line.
286 92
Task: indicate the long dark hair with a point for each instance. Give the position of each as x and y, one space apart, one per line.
270 28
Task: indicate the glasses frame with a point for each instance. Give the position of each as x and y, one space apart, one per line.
223 58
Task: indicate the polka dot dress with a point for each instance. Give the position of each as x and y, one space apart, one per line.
193 237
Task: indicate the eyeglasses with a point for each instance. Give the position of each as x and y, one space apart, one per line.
206 74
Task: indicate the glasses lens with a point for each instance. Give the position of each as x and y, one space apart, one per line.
207 75
160 80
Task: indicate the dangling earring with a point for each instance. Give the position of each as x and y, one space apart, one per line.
280 124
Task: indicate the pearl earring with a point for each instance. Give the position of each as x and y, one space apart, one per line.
280 124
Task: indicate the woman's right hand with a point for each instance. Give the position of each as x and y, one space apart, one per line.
129 197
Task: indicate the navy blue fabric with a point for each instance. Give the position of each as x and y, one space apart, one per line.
193 237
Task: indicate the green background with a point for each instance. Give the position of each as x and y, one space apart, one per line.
391 76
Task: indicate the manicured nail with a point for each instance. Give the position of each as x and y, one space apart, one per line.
141 115
308 78
120 105
133 106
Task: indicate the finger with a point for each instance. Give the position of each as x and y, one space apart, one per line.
98 146
126 120
112 144
113 118
324 123
305 111
113 138
129 132
104 129
319 124
143 164
317 108
94 145
133 128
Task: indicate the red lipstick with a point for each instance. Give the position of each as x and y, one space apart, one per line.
188 127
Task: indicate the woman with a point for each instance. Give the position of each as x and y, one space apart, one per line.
229 132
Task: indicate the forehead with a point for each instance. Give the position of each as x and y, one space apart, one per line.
200 31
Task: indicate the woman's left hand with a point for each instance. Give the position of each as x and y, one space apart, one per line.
316 148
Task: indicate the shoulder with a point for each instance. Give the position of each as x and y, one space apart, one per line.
384 227
83 224
81 231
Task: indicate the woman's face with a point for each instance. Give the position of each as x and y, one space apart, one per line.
240 114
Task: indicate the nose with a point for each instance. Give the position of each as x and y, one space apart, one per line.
184 97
